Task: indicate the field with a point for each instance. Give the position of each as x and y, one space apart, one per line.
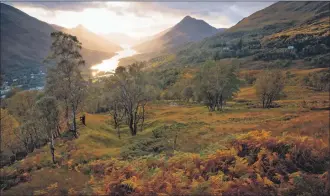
83 162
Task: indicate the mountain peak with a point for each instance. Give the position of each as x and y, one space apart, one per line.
188 19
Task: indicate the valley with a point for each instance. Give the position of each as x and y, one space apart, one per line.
109 65
168 104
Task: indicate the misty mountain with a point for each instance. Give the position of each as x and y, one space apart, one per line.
121 38
221 30
92 41
25 42
187 30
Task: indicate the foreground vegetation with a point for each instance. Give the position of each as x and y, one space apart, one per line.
227 157
213 130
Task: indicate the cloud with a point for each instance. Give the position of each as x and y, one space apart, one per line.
59 5
137 17
229 12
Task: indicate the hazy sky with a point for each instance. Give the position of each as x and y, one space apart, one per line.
137 19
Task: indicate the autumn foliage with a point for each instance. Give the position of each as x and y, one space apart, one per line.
255 163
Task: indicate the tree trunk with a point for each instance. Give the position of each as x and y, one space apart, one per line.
67 116
58 132
263 102
220 102
52 149
175 138
74 122
135 127
118 131
131 125
142 123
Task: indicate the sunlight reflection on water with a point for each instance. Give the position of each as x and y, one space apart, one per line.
109 65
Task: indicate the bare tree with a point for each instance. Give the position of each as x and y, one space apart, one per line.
269 86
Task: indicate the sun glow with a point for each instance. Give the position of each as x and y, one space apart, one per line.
106 19
110 65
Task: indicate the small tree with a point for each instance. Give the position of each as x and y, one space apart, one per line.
49 113
176 127
131 92
188 93
64 81
215 83
116 109
8 138
240 44
269 86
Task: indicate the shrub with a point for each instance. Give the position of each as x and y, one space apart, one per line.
318 80
269 86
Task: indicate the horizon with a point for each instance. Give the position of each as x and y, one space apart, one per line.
136 19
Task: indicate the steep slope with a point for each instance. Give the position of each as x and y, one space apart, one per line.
90 41
187 30
284 30
93 41
25 42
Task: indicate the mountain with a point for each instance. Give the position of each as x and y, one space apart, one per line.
282 31
92 41
187 30
221 30
121 38
25 42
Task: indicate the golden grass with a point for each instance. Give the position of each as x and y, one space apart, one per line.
46 179
98 140
305 72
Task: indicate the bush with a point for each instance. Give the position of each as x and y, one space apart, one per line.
306 185
318 80
148 146
269 86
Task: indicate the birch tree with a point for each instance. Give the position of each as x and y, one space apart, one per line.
131 92
48 115
269 85
64 79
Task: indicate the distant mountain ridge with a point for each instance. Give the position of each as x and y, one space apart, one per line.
187 30
121 38
25 42
90 40
268 35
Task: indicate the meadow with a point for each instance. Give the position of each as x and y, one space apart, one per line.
185 149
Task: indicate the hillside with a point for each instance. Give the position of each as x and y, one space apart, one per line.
289 155
93 41
267 34
187 30
244 112
25 42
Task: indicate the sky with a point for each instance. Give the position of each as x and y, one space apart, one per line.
136 19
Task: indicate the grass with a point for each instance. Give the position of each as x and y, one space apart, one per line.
50 178
203 133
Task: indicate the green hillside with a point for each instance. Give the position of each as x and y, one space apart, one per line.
267 35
